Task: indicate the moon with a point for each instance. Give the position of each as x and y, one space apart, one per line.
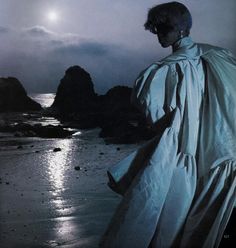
53 16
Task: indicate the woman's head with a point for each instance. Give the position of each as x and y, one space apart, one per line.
170 21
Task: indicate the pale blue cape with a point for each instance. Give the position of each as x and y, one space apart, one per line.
179 189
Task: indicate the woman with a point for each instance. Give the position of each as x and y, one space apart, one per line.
179 189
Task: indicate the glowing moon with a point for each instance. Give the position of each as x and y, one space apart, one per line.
53 16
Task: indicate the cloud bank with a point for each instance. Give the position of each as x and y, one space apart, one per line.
39 58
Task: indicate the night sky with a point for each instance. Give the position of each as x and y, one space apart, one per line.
40 39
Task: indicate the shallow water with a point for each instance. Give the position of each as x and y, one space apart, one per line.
33 117
45 202
45 99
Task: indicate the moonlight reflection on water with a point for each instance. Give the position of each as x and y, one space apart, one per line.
58 163
46 201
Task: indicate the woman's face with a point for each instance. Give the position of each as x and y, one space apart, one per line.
167 36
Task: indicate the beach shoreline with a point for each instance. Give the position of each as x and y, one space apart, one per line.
56 198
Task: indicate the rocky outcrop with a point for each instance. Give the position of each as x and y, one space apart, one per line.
37 130
76 101
33 124
13 97
76 105
75 93
79 106
120 121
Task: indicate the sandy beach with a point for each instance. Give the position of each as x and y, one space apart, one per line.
56 198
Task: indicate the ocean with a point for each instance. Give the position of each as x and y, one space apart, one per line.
45 99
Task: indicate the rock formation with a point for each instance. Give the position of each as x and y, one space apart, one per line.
120 121
76 102
78 105
13 97
75 93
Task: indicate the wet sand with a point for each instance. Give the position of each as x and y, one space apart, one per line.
45 201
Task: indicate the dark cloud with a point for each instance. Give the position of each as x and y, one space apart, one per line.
93 48
56 43
40 59
4 30
88 48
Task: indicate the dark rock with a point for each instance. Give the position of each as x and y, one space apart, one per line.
13 97
86 120
117 98
27 130
75 93
77 105
75 101
115 105
57 149
51 131
121 122
20 147
77 168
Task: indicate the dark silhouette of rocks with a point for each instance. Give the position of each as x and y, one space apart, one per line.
75 93
57 149
120 121
77 168
31 124
13 97
37 130
76 104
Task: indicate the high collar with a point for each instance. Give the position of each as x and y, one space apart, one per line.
186 41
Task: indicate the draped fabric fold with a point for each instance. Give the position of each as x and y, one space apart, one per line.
179 188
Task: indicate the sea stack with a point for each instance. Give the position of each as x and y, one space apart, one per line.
13 97
75 93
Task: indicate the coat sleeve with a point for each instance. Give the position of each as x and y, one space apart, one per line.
154 91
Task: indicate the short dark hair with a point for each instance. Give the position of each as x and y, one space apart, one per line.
172 15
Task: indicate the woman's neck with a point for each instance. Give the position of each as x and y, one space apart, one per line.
184 41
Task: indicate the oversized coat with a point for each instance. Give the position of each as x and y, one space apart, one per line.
179 189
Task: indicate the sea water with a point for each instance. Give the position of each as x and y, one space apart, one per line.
45 99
